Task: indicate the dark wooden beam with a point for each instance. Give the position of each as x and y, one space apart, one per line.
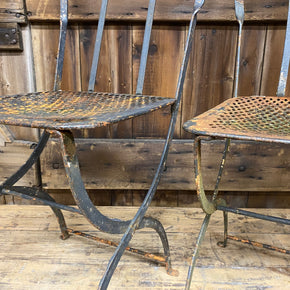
130 164
166 10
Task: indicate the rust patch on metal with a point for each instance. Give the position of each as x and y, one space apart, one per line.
259 245
65 110
155 258
256 118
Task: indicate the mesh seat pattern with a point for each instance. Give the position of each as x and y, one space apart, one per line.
74 110
256 117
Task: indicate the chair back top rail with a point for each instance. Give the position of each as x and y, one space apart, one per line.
285 60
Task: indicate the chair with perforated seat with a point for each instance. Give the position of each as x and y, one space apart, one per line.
251 118
63 111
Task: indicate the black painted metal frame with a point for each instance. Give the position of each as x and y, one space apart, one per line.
69 154
210 206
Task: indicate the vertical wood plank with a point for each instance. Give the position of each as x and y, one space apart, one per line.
45 41
252 56
161 198
163 65
209 80
122 197
273 58
18 77
45 45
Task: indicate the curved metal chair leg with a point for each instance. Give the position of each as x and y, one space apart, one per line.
102 222
149 222
208 206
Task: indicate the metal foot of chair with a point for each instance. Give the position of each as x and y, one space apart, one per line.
224 242
39 195
59 216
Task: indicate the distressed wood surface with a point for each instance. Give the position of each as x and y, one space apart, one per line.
273 57
12 11
172 10
161 76
34 257
18 78
12 156
209 79
130 164
252 57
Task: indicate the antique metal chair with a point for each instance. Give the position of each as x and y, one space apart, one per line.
63 111
256 118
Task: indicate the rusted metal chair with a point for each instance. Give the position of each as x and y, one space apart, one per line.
256 118
62 111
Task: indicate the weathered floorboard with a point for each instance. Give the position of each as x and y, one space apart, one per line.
33 256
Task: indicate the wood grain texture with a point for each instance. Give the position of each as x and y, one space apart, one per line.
209 79
130 164
18 78
34 257
252 57
173 10
114 70
272 60
12 156
162 71
13 11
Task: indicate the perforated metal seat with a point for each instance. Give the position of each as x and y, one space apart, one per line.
248 118
62 110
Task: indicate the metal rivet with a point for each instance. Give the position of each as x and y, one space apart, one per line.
242 168
55 165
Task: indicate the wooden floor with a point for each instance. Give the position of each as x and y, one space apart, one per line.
33 257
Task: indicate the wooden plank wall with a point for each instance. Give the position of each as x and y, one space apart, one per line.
209 81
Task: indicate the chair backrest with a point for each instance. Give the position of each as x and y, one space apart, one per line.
145 46
240 12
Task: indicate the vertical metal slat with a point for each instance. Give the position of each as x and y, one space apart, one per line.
145 47
97 47
61 44
240 13
187 50
285 60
